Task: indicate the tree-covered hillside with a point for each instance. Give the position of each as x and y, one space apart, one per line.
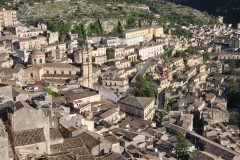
230 9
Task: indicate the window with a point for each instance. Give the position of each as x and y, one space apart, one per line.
55 72
70 72
31 74
47 72
40 61
34 60
62 72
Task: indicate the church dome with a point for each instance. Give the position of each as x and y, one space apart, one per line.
37 52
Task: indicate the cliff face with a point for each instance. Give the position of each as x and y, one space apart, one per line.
230 9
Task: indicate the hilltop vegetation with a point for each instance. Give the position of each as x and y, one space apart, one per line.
230 9
94 17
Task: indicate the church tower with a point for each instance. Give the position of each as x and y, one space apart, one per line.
87 65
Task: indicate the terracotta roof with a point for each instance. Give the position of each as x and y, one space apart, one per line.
108 113
31 136
55 134
61 157
94 69
201 156
79 93
12 105
71 156
112 156
58 75
88 140
37 52
134 124
80 151
60 65
112 139
91 139
218 151
67 144
138 102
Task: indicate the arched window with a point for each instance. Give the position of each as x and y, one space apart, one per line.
40 61
34 60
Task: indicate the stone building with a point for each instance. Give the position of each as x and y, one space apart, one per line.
3 142
79 96
215 115
141 107
148 50
194 60
5 93
96 144
121 64
116 52
52 37
7 17
87 66
30 129
56 73
111 41
148 32
37 57
55 51
59 71
77 56
115 79
122 52
32 43
23 31
99 55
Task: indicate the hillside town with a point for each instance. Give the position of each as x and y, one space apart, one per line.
145 95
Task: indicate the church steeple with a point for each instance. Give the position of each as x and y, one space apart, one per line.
87 64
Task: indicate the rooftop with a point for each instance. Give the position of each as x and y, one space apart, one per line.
55 134
61 65
138 102
30 136
67 144
79 93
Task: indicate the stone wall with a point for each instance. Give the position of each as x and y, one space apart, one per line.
27 118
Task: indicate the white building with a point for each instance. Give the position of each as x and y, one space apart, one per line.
149 50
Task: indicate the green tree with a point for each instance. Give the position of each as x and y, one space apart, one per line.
182 152
232 68
96 28
191 50
118 30
233 120
145 87
149 92
233 94
206 57
138 93
182 33
80 30
130 22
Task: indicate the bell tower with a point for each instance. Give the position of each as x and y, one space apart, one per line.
87 65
